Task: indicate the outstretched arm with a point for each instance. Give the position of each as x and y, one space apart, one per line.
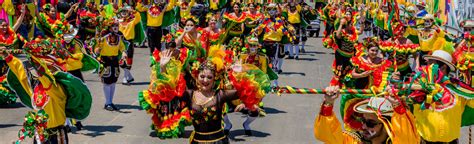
73 9
20 19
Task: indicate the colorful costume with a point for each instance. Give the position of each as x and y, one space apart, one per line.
170 85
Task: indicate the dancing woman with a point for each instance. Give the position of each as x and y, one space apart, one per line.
205 103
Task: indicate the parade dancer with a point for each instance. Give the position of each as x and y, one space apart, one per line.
10 40
273 30
109 49
254 17
383 121
309 14
294 19
206 102
154 19
52 23
464 54
430 36
211 35
253 56
129 21
234 23
40 84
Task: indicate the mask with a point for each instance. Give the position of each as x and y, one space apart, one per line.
253 49
272 12
428 24
188 28
115 29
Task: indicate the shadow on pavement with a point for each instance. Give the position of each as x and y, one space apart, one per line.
126 106
186 135
293 73
269 110
140 83
314 52
15 105
237 133
96 130
8 125
308 59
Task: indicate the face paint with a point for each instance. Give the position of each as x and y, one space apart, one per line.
272 12
253 49
428 24
115 29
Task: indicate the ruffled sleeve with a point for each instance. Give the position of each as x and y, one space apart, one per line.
251 85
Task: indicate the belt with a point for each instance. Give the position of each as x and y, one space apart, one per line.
207 137
153 27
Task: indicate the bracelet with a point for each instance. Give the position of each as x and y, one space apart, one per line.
326 110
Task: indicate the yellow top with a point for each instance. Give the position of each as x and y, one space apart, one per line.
329 130
442 126
128 29
56 106
155 18
262 61
74 62
186 13
272 35
295 18
107 49
428 39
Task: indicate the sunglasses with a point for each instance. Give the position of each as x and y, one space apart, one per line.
370 123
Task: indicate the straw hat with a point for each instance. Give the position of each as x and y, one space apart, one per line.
373 105
442 56
467 24
421 4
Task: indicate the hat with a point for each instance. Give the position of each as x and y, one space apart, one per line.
252 41
421 4
411 9
373 105
467 24
428 17
71 34
442 56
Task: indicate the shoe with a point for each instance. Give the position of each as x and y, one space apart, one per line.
290 57
280 71
286 53
125 82
297 58
130 80
226 132
78 125
67 129
109 107
248 132
302 50
114 107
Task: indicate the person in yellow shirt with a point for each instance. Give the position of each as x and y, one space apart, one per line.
294 18
430 37
109 49
441 121
129 19
384 120
155 14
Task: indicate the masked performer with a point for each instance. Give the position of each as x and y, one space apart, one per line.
40 84
110 50
190 37
132 32
272 31
154 22
206 102
430 36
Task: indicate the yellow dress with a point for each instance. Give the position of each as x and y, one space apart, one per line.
56 106
295 18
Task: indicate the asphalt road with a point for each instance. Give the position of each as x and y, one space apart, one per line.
289 118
